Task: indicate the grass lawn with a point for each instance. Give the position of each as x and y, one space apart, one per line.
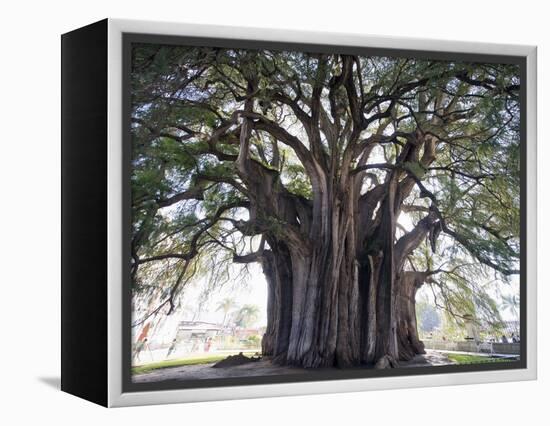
205 359
474 359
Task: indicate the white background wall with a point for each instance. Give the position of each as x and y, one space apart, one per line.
30 200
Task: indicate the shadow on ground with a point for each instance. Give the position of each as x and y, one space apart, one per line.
53 382
264 367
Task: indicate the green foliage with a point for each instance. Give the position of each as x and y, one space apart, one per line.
474 359
298 181
254 341
415 168
186 137
247 316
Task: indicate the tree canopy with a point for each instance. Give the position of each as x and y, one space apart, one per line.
345 176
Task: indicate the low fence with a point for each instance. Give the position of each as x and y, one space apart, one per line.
506 348
471 346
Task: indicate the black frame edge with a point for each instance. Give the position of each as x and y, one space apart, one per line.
84 212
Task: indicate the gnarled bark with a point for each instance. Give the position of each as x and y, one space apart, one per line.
409 345
338 291
276 265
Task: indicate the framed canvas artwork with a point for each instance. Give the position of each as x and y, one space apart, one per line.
251 212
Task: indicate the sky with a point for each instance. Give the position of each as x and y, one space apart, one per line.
253 291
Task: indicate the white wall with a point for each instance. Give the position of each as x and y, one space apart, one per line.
30 199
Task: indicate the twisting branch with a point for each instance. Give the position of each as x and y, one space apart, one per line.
465 242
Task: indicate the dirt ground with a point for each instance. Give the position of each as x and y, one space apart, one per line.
260 368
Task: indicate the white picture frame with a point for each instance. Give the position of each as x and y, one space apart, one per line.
116 396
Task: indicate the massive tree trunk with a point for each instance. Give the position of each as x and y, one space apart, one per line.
319 312
409 345
314 302
401 314
325 314
312 324
326 308
338 289
276 265
325 311
382 339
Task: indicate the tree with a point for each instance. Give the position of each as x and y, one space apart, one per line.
511 303
428 317
225 306
247 315
313 165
